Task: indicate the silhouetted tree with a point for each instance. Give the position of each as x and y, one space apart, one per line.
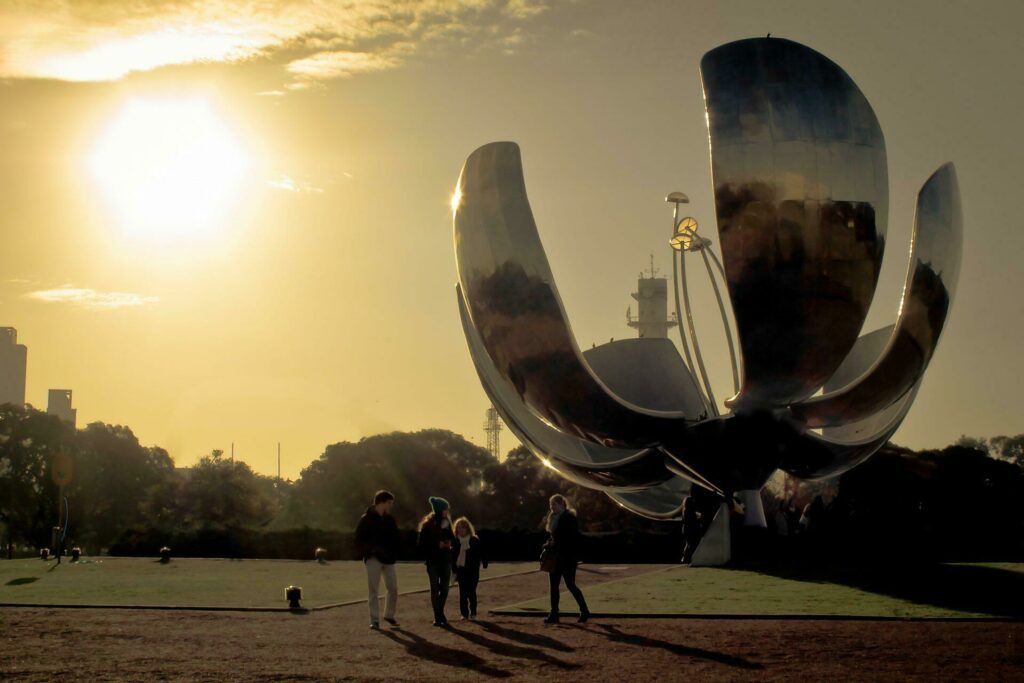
221 493
28 497
335 489
115 476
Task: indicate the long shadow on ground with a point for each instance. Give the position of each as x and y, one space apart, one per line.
965 588
512 651
614 634
22 581
420 647
524 637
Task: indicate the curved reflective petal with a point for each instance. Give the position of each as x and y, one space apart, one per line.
580 461
865 353
927 297
662 502
801 195
647 372
515 307
821 456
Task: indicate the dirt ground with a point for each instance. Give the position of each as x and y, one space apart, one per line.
103 645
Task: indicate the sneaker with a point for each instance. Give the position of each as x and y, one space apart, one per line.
463 618
551 619
583 617
392 621
374 626
472 616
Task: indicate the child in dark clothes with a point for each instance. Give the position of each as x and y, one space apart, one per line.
468 558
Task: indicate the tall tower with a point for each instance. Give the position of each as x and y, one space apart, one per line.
59 404
492 425
652 319
13 362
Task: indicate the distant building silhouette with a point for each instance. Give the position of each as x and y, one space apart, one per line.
59 404
13 364
652 319
492 427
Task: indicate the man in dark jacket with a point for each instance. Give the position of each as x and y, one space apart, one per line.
377 543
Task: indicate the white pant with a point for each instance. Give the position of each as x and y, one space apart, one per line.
374 568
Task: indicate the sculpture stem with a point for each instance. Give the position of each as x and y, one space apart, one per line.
725 318
712 404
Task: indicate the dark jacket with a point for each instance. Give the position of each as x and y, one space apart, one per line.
377 536
432 539
565 540
474 559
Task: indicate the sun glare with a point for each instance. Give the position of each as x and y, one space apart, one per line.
456 199
170 170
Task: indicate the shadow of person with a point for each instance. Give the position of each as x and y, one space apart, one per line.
522 637
615 635
516 651
976 589
22 581
420 647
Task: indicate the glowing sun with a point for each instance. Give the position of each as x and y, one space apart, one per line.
169 169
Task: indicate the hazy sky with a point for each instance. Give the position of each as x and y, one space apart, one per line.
290 275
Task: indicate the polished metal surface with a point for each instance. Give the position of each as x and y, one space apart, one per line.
927 296
584 462
662 502
801 195
515 307
647 372
822 457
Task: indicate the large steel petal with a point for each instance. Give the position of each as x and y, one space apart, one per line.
935 255
647 372
515 307
821 457
801 194
580 461
662 502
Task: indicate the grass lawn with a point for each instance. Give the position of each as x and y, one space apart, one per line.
198 582
941 590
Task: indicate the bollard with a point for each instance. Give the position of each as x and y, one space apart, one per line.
44 554
165 555
293 594
321 555
76 553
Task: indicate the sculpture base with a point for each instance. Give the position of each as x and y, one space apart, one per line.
715 549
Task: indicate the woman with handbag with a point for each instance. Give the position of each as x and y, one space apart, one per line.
561 555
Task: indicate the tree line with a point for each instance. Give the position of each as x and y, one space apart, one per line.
120 487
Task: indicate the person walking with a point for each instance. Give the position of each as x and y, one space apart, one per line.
693 528
377 543
469 558
435 544
564 544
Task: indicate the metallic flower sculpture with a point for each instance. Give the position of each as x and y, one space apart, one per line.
801 196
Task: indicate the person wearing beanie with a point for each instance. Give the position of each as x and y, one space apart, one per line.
435 544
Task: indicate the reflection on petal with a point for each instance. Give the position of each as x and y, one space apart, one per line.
515 307
829 455
647 372
801 195
662 502
580 461
927 297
